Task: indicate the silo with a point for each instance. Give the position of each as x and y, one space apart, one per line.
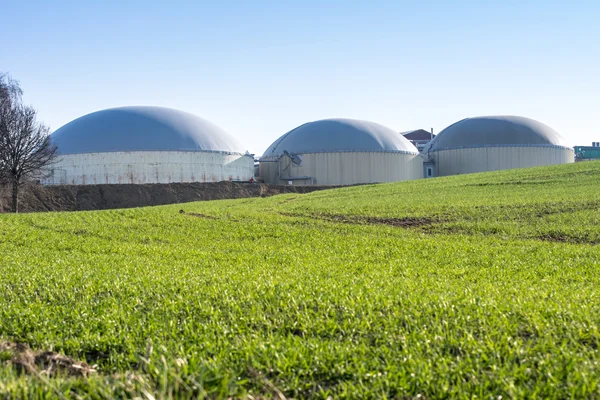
146 145
340 152
494 143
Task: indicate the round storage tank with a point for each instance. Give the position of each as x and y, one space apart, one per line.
340 152
146 145
494 143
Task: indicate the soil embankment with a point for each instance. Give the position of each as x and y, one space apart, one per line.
100 197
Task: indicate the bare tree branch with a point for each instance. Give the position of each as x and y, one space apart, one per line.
25 145
10 91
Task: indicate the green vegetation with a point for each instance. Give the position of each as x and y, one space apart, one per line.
484 285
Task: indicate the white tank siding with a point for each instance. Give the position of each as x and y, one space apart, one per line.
342 168
481 159
143 167
496 142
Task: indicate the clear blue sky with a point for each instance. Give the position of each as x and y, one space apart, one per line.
260 68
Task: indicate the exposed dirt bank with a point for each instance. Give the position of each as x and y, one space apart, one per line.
99 197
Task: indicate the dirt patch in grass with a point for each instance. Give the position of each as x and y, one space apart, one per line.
405 222
568 208
563 238
197 215
288 200
48 363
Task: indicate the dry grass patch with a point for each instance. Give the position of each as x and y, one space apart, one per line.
48 363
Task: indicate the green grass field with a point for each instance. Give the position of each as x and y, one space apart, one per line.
475 286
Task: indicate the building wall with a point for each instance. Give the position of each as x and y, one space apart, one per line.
480 159
587 153
344 168
150 167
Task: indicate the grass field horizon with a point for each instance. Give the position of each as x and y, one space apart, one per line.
472 286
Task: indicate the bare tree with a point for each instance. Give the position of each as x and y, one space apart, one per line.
9 89
25 145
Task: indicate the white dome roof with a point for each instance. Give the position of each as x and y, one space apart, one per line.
504 130
340 135
142 128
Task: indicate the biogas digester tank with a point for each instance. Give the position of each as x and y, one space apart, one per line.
340 152
495 143
144 144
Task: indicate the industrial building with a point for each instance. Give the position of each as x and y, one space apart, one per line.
146 145
494 143
141 145
419 137
340 152
586 153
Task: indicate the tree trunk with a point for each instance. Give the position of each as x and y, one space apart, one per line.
15 196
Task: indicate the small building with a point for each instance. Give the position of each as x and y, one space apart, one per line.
146 145
585 153
419 137
494 143
340 152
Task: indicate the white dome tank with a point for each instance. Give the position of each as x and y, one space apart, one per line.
145 144
494 143
340 152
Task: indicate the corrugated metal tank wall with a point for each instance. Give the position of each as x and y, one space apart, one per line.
150 167
481 159
344 168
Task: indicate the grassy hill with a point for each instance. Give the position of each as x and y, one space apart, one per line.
481 285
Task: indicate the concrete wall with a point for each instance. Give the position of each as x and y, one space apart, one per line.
150 167
344 168
480 159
